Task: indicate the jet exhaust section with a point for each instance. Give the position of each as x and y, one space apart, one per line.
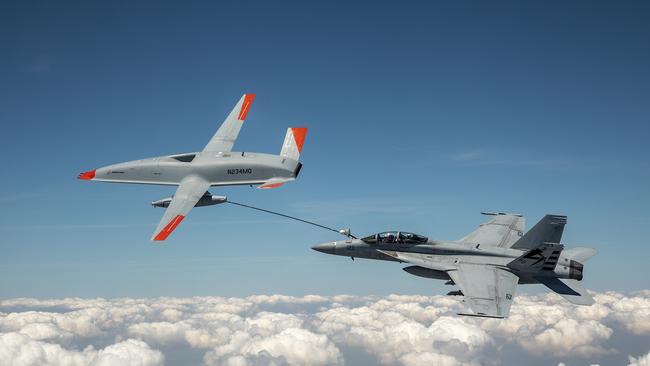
571 262
571 269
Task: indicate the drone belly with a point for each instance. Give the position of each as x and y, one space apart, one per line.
146 171
168 172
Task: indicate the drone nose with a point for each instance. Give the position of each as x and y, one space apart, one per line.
328 248
89 175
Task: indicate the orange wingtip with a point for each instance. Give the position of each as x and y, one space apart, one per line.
272 185
299 134
246 106
87 175
164 233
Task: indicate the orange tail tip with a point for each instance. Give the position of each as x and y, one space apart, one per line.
87 175
246 106
164 233
299 134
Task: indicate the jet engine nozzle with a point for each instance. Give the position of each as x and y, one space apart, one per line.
572 269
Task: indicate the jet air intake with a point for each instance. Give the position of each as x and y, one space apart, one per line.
206 200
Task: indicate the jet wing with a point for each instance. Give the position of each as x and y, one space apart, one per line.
224 139
488 290
502 231
189 192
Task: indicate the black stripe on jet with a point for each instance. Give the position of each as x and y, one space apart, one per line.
536 255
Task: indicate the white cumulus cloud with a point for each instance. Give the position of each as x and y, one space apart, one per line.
641 361
320 330
21 350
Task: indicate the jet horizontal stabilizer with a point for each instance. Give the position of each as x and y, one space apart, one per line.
557 286
569 289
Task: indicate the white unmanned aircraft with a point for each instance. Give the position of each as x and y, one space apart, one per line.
216 165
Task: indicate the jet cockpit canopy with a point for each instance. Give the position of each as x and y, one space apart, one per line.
395 237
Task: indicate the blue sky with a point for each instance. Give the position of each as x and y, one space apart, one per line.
421 115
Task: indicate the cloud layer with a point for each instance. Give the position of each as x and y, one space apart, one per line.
318 330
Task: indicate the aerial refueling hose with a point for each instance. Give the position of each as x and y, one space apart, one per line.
344 232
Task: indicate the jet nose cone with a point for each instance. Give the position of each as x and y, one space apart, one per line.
328 248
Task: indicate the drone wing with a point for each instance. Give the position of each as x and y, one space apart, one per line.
224 139
189 192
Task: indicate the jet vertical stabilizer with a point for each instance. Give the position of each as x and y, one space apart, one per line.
548 230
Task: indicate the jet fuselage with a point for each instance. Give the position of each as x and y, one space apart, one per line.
436 258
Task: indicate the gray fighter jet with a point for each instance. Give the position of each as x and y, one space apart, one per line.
487 264
215 165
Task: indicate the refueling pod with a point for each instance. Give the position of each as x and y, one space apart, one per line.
207 200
